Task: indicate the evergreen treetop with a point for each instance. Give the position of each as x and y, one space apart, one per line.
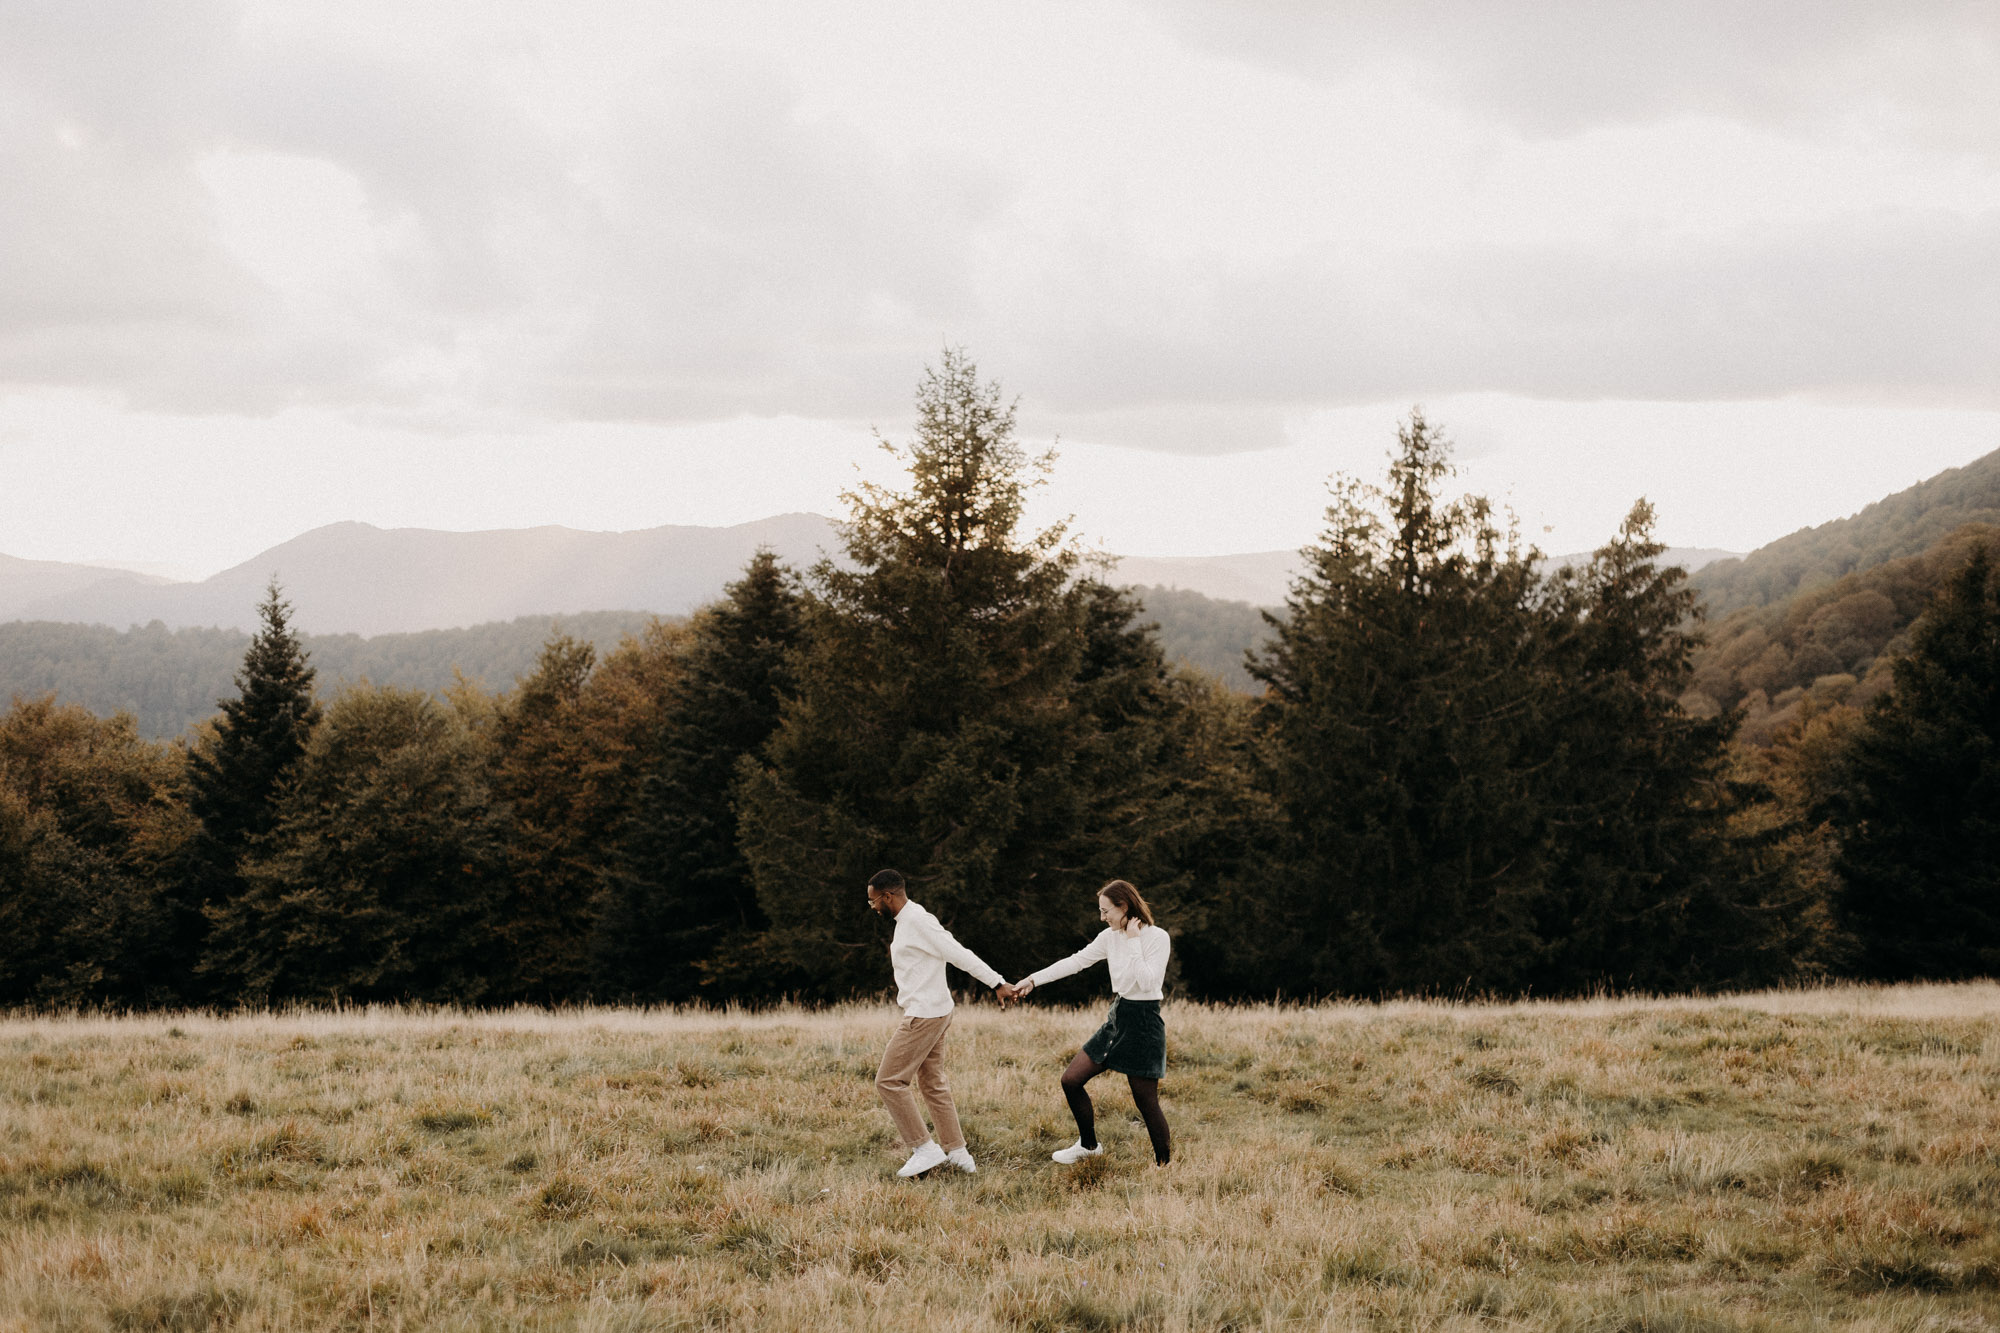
258 735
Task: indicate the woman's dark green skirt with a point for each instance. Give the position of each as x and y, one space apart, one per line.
1133 1040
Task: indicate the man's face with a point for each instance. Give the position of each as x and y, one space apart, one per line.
887 904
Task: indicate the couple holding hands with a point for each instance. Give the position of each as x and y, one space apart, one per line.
1132 1042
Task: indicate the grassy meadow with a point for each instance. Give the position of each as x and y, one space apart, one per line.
1815 1159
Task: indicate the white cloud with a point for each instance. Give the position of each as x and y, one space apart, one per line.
473 236
689 214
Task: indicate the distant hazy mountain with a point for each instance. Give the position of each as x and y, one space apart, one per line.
353 578
25 584
170 679
1259 578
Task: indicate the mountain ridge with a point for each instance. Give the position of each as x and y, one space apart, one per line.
1903 524
355 578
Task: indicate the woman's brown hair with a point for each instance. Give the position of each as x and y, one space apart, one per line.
1126 898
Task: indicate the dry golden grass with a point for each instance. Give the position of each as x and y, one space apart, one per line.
1793 1160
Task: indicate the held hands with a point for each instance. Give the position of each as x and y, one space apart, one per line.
1012 991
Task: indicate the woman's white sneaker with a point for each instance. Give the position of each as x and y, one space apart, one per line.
1076 1152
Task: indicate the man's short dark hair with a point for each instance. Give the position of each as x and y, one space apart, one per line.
887 881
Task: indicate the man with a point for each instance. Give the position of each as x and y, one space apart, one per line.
919 951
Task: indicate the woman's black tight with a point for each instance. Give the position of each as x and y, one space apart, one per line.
1145 1095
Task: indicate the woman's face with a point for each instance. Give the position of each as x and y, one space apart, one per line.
1110 913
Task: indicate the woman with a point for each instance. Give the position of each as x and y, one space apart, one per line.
1133 1040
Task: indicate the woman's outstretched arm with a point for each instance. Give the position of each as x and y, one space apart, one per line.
1093 952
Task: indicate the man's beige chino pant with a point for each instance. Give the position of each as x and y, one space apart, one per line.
916 1055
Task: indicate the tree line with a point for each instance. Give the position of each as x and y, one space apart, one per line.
1465 772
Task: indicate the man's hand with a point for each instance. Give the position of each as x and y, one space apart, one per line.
1012 991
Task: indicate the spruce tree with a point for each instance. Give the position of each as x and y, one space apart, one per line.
1647 885
1917 805
678 891
1406 691
1486 777
968 710
235 778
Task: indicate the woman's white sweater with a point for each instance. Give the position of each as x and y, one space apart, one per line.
1138 966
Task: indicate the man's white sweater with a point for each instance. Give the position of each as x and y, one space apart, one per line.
919 951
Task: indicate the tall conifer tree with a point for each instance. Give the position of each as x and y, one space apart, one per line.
1406 685
235 779
968 710
1917 810
569 747
1487 781
1647 886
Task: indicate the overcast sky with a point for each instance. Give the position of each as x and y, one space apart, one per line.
270 265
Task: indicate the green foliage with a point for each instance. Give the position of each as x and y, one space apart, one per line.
91 819
259 734
169 680
568 748
679 900
1647 883
1917 810
1206 845
1904 524
235 772
968 711
1485 778
384 875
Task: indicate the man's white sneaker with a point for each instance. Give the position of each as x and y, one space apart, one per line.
1076 1152
962 1159
922 1160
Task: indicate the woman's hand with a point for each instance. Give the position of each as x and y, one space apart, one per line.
1133 925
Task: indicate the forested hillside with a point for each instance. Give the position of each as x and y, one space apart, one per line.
1830 643
1904 524
1206 633
170 679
